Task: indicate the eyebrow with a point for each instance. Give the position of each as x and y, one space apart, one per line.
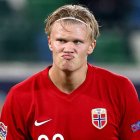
74 40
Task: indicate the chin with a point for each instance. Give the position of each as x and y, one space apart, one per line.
67 69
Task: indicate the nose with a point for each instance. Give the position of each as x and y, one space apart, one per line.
69 47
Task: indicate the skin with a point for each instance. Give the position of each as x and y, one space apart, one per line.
70 45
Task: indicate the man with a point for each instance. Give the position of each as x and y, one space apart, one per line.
71 99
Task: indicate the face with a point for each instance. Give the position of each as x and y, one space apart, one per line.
70 45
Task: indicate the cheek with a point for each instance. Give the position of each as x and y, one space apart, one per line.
84 51
56 48
82 54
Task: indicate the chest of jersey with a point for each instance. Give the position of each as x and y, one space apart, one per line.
79 116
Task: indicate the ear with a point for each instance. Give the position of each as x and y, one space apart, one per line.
49 43
91 47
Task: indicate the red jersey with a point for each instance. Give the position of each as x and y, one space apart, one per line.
104 107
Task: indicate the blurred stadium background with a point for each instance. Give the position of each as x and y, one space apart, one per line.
23 43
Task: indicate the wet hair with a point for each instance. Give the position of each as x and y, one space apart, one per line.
70 12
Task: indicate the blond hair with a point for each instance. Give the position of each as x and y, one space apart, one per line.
76 11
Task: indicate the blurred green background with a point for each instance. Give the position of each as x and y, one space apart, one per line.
22 36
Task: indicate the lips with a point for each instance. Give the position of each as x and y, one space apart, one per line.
67 56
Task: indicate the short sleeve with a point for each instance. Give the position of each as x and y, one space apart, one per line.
130 123
11 122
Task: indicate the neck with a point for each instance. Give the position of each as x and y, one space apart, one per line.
67 81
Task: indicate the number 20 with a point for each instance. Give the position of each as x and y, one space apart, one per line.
44 137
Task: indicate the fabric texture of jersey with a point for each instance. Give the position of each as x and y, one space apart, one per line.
104 107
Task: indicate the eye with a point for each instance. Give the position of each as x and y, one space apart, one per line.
61 40
77 42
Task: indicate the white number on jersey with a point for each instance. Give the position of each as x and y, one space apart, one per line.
44 137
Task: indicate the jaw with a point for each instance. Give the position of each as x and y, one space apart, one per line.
69 66
66 66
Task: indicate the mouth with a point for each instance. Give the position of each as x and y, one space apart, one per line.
67 57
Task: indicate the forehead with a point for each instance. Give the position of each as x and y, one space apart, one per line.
76 29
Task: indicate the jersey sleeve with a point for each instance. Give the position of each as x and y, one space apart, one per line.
130 124
12 125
